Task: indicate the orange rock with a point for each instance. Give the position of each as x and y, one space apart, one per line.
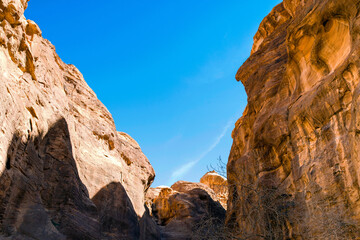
180 209
184 186
32 28
218 184
293 170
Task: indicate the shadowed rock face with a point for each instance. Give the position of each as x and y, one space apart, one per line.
118 217
42 196
293 170
41 193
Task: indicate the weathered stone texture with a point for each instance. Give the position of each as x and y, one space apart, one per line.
187 210
218 184
59 147
293 170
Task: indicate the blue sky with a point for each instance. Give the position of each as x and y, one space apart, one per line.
165 70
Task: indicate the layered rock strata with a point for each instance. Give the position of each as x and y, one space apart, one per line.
62 161
293 170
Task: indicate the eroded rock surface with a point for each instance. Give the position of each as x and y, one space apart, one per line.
293 169
187 210
218 184
185 186
60 153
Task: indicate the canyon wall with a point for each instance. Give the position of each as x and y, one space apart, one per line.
62 161
293 170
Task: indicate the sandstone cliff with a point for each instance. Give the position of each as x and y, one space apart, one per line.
293 171
60 154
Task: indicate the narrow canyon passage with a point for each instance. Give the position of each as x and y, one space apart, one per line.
293 169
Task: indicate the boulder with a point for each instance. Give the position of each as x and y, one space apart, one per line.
186 211
218 184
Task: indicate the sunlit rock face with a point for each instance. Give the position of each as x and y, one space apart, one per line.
293 170
40 95
186 210
218 184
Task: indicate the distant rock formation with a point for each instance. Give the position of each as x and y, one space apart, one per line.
185 186
66 173
293 170
218 184
186 210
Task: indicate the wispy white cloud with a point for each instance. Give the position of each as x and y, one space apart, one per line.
177 174
182 170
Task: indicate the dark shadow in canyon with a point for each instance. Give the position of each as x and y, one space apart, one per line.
118 217
42 196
